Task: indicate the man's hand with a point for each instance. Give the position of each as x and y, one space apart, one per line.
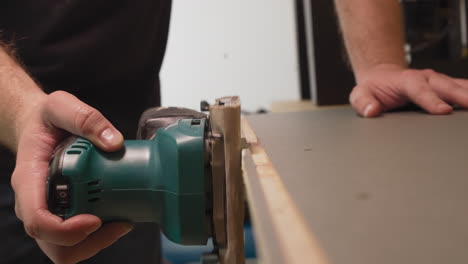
386 87
374 38
39 129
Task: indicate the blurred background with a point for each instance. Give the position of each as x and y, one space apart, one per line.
220 47
266 51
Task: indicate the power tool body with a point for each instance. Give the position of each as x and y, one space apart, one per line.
165 177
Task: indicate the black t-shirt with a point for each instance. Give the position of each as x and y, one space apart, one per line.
106 52
103 51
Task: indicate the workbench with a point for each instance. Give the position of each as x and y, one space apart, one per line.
328 186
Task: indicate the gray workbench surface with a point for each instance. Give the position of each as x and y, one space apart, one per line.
390 190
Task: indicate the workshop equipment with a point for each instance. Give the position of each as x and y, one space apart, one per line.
174 175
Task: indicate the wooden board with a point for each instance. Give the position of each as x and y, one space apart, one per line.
299 106
225 123
272 209
359 191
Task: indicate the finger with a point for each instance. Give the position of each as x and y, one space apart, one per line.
101 239
364 102
461 82
38 222
418 90
449 89
83 120
51 228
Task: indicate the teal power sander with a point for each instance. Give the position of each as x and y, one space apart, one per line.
165 177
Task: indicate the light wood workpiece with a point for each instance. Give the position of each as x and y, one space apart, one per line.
328 186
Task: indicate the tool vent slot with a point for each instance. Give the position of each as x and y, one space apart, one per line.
195 122
94 191
79 147
83 142
74 152
96 182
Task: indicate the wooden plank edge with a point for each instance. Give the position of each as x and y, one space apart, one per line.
225 119
268 248
297 240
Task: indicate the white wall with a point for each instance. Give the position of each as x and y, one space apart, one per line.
231 47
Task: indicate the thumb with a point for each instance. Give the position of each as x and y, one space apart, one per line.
364 102
67 112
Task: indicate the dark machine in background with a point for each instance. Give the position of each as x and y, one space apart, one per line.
436 33
325 77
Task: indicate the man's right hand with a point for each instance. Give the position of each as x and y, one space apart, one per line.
386 86
39 129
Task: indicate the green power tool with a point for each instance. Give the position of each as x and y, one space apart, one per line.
165 177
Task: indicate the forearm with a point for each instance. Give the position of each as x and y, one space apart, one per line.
18 94
373 33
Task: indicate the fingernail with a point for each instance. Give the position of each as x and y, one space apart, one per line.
126 229
93 228
367 110
443 108
109 136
